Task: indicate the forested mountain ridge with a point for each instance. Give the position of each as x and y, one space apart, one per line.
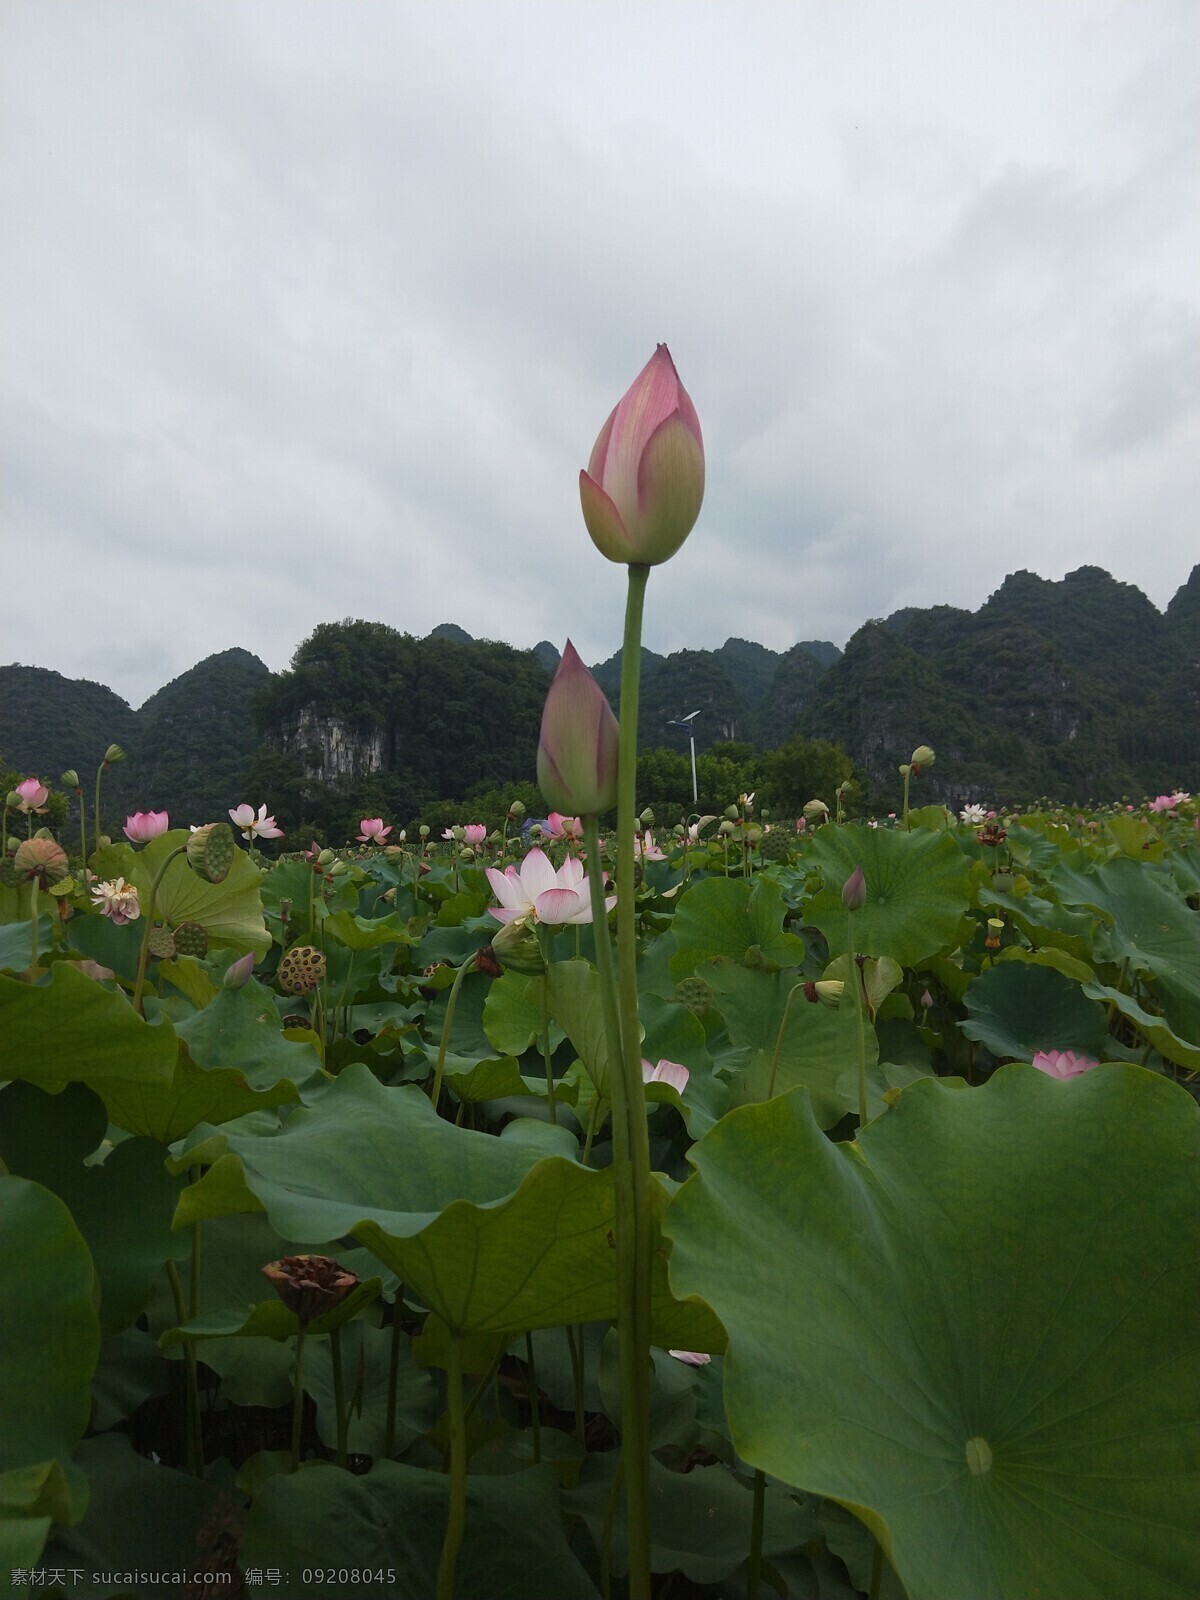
1073 689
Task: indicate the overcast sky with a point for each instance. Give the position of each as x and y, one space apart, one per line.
314 310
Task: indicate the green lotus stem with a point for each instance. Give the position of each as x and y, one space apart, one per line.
194 1278
83 855
546 1055
535 1420
576 1350
456 1519
787 1006
447 1024
96 811
148 913
610 1515
389 1437
33 927
907 776
482 1386
595 1119
192 1427
339 1394
298 1398
634 1232
754 1576
858 980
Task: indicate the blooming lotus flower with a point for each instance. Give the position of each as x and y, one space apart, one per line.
32 795
1163 802
372 830
645 847
1063 1063
672 1072
143 826
474 834
577 747
560 827
535 891
972 814
644 484
117 900
254 827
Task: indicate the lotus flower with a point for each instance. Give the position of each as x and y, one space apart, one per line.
372 830
117 900
691 1358
1162 802
644 484
1063 1063
143 826
577 746
645 847
672 1072
972 815
474 834
32 795
560 827
537 892
261 826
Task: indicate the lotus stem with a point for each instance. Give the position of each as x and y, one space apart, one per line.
546 1054
576 1350
456 1519
339 1394
535 1419
148 913
857 980
192 1426
33 926
389 1438
787 1006
298 1398
447 1024
754 1576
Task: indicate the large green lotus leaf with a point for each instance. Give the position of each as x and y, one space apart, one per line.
130 1370
819 1043
141 1518
512 1013
122 1207
1017 1009
366 933
240 1028
1164 1039
49 1332
968 1325
271 1319
71 1028
1044 922
491 1079
16 943
167 1111
392 1521
230 911
491 1233
918 886
31 1499
367 1363
730 917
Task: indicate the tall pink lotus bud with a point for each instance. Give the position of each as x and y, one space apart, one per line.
577 751
31 795
854 891
644 484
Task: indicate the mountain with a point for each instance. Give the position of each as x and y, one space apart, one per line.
1072 689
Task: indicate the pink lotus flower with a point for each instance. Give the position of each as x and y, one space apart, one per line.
644 484
536 892
474 834
672 1072
254 827
1163 802
372 830
559 827
143 826
116 900
33 795
577 745
645 847
1063 1063
691 1358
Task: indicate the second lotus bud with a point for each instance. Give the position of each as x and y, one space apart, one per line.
577 750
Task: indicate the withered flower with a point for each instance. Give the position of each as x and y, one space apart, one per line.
310 1285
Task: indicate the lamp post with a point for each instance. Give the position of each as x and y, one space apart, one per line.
689 722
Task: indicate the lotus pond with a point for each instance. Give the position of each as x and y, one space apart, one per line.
947 1353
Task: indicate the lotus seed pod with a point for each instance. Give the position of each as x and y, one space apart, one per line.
517 809
727 828
829 991
161 942
338 868
815 810
922 756
113 754
70 779
773 846
731 813
191 939
393 852
301 969
516 948
695 994
210 851
325 858
466 855
12 800
423 830
647 818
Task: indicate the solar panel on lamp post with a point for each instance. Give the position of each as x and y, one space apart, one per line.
689 723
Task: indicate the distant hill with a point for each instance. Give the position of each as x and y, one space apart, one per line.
1075 689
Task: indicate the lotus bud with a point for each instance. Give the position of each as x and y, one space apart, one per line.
113 754
854 891
726 828
423 830
210 851
12 799
922 756
237 972
42 860
325 857
338 868
516 948
458 833
926 1000
517 809
70 779
644 485
577 747
825 992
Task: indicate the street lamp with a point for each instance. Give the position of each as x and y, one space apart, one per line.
689 723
